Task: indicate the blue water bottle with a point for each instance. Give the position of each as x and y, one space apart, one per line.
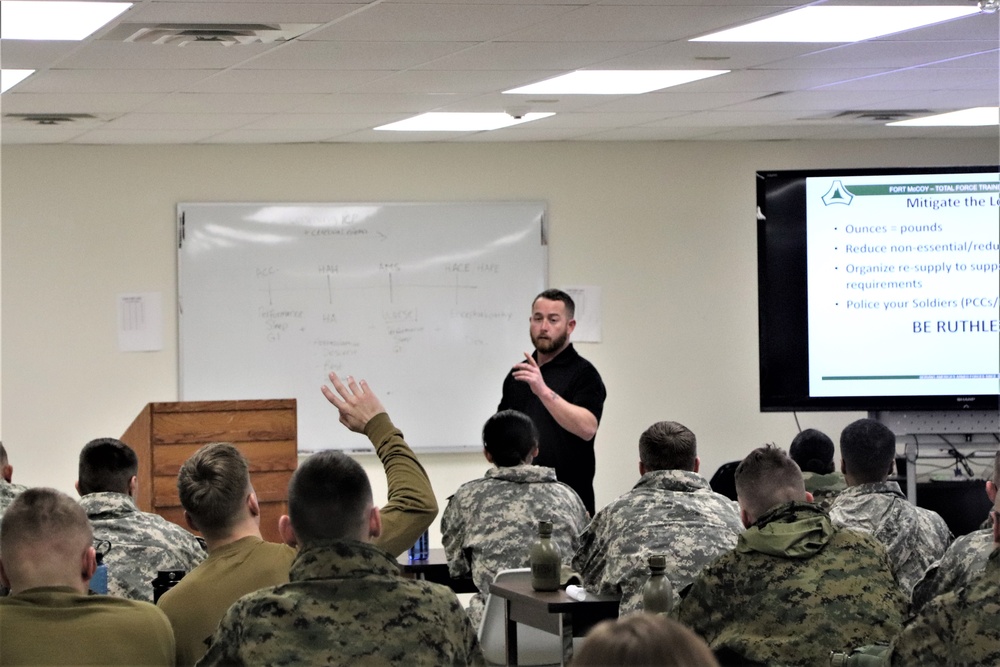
421 548
99 582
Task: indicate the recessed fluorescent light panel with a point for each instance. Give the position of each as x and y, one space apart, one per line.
975 117
460 122
11 77
614 81
20 19
839 23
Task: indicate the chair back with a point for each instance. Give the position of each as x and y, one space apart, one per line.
534 646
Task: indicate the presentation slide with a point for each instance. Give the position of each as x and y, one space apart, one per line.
904 284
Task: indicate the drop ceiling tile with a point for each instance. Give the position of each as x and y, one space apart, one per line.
126 56
947 100
771 133
503 55
520 133
771 80
242 136
649 134
499 102
379 103
283 81
354 55
811 102
890 55
209 103
670 101
239 12
415 81
922 78
34 54
111 81
683 54
142 136
34 134
17 102
636 23
976 27
438 22
182 121
328 122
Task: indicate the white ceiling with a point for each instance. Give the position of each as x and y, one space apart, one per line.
372 63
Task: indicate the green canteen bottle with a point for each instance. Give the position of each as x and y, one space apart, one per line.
546 563
658 592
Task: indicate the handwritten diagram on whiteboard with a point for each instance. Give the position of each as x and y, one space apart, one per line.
429 302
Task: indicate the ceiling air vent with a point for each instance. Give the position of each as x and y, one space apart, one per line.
876 115
51 118
207 34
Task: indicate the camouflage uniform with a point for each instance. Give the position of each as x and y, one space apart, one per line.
669 512
141 544
964 559
795 589
490 524
958 628
824 488
346 605
8 492
914 537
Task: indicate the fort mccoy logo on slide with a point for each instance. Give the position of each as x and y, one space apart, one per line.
838 194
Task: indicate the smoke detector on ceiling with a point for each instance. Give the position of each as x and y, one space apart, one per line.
207 34
53 118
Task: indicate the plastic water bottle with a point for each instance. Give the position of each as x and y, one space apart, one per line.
99 582
546 563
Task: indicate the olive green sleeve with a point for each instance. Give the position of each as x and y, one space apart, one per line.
411 505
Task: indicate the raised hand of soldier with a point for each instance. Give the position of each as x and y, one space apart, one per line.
355 401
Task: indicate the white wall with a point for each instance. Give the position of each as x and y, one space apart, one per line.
666 229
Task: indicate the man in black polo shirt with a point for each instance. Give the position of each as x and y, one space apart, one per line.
562 393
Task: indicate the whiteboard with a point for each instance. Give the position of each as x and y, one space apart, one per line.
429 302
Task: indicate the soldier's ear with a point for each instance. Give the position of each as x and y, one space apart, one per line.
697 463
7 473
88 563
374 523
286 531
991 491
809 497
189 520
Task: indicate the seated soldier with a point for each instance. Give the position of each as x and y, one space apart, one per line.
812 450
958 628
795 587
8 490
964 559
142 543
345 603
914 537
671 511
643 640
490 523
47 559
220 502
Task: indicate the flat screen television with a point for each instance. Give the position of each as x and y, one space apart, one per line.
878 289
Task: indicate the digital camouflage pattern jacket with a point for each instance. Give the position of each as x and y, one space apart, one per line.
141 544
914 537
491 522
669 512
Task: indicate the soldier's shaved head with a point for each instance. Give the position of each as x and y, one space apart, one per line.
767 477
668 446
43 537
329 497
106 465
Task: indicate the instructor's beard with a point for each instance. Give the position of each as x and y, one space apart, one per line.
549 345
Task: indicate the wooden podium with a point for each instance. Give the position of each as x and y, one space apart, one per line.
164 435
